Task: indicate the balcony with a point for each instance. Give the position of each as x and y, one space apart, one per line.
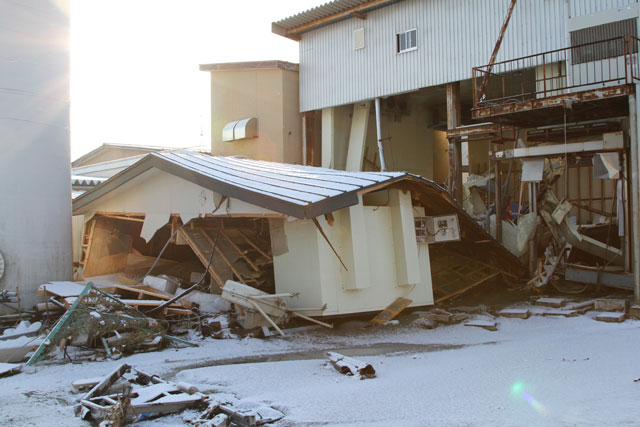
588 82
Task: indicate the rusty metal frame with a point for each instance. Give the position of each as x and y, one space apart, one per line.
481 75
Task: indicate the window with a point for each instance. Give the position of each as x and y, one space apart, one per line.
600 33
407 41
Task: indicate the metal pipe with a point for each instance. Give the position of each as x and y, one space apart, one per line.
635 193
383 165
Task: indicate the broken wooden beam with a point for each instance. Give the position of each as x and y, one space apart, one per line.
350 366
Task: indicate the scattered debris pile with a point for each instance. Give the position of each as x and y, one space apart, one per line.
98 319
128 394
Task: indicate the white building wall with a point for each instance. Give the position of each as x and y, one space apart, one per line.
587 7
453 37
35 208
311 268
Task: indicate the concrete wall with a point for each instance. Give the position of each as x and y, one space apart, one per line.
35 212
270 95
408 141
372 239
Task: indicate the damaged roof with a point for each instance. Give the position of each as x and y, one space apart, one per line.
303 192
300 191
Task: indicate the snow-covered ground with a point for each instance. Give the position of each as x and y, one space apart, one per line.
543 371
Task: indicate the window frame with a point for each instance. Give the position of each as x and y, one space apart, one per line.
404 33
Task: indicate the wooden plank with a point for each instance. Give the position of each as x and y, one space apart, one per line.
391 311
201 256
240 251
107 382
466 288
224 258
143 291
264 254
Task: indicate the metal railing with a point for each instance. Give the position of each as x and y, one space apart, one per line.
596 65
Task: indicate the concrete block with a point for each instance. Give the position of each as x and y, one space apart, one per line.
609 316
517 313
468 310
551 302
162 283
485 324
607 304
560 312
581 307
437 317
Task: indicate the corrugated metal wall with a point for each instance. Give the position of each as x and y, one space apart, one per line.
587 7
453 37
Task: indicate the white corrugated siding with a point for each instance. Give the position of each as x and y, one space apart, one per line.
587 7
453 37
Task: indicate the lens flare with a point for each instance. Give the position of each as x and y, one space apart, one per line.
518 390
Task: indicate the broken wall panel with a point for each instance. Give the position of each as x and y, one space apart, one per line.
110 246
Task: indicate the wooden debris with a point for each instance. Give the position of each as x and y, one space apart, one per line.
551 302
442 316
391 311
485 324
634 311
609 316
425 323
107 382
143 292
8 369
517 313
453 274
610 304
560 312
350 366
580 307
158 397
438 315
467 309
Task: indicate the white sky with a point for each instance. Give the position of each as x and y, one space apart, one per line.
134 64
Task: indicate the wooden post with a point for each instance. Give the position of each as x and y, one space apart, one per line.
454 113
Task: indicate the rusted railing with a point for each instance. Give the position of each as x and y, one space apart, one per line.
587 66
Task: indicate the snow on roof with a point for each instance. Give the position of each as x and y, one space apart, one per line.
300 191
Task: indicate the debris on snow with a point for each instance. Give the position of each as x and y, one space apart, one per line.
350 366
485 324
610 316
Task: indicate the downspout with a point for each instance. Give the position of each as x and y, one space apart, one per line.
383 165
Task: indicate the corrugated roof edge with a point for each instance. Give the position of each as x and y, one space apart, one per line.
328 13
250 65
155 160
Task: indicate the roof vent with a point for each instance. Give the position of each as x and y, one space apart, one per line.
240 129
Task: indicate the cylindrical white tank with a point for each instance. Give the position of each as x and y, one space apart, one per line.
35 186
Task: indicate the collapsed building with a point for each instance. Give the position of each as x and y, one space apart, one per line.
346 242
